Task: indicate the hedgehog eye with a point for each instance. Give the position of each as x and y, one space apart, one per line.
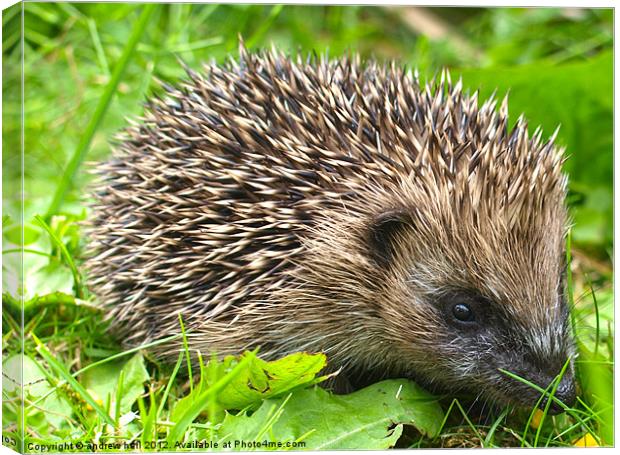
466 309
463 312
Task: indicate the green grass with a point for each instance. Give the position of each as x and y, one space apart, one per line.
88 66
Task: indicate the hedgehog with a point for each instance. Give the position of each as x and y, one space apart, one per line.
308 204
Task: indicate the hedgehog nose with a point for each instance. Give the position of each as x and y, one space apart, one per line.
565 392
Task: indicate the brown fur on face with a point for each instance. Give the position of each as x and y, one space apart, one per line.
337 207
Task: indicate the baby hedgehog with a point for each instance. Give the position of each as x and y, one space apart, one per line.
340 207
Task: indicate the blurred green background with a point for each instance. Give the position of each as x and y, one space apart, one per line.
557 64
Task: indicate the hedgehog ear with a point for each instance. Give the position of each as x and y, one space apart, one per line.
383 231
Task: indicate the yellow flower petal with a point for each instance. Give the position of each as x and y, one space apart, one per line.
536 419
586 441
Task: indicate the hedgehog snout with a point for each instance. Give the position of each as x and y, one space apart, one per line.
565 391
543 376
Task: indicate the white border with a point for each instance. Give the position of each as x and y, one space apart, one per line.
459 3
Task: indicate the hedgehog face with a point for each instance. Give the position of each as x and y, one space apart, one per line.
480 303
484 342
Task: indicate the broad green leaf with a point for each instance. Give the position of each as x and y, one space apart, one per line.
103 381
135 375
61 370
47 280
55 298
263 379
259 380
54 408
202 400
13 234
371 418
44 273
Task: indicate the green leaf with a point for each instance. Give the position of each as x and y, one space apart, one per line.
13 234
54 299
62 371
263 379
371 418
77 277
48 279
259 380
135 375
54 408
103 381
201 400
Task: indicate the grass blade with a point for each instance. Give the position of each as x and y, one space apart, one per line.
178 430
102 107
64 374
77 278
169 386
187 355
